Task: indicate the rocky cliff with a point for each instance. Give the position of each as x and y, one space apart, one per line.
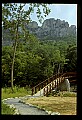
51 28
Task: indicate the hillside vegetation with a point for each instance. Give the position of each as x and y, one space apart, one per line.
37 60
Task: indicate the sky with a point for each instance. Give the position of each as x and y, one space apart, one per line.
67 12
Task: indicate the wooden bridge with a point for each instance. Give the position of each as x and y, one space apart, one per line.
46 87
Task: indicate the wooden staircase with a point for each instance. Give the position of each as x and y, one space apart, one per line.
45 87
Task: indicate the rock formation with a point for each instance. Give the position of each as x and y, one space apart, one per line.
51 28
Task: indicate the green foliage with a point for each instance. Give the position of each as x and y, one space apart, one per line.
72 56
19 12
6 63
18 92
6 110
7 93
69 94
13 17
35 61
63 94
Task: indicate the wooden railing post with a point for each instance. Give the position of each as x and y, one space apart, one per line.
44 91
50 88
35 90
47 91
61 79
42 85
57 82
32 90
56 76
52 84
45 84
48 81
39 87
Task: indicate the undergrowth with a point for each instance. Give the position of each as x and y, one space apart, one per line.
7 93
6 109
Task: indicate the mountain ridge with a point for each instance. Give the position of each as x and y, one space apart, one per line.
51 29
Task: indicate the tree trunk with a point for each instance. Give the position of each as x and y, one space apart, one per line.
58 68
15 45
12 66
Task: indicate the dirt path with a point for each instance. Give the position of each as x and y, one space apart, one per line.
25 109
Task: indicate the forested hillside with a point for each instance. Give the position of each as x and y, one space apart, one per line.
29 60
37 60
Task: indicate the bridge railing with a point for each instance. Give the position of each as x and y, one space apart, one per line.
47 89
52 82
41 85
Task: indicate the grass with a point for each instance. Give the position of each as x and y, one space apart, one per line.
63 105
63 102
7 93
64 94
6 110
20 92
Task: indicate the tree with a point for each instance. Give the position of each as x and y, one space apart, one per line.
6 64
72 56
13 17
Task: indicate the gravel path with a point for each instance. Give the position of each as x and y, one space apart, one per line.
25 109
